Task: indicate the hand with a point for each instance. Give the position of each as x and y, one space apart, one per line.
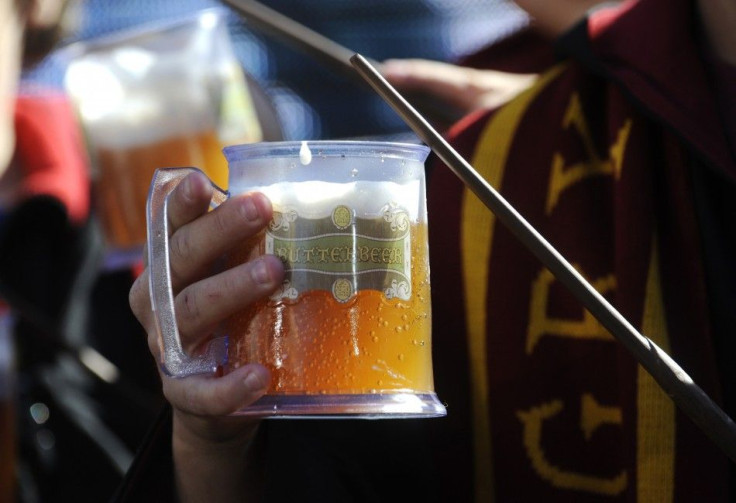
467 89
210 448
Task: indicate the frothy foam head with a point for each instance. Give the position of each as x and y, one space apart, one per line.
317 199
131 97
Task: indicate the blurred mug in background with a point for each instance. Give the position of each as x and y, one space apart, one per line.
162 95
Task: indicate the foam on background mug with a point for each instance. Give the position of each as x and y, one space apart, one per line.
170 93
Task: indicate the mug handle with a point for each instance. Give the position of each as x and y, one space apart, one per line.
173 360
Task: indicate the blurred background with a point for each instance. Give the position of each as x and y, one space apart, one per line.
312 101
85 389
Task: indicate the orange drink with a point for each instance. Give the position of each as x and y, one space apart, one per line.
125 172
348 332
319 344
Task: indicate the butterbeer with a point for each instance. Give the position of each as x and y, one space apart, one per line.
125 171
317 344
168 94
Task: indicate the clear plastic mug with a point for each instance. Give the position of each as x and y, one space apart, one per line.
171 93
348 333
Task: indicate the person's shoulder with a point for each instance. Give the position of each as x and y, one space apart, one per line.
524 51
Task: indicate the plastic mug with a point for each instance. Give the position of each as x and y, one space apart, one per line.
348 333
170 93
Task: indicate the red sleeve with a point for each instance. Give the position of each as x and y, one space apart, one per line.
51 152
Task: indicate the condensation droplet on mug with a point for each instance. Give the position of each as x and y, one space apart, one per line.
305 155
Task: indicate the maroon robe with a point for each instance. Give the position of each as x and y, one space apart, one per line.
600 156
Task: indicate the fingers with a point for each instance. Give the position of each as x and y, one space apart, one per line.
448 83
139 299
190 199
218 396
467 89
432 76
196 245
200 237
202 305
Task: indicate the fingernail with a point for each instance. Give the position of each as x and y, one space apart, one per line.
260 272
253 382
250 210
